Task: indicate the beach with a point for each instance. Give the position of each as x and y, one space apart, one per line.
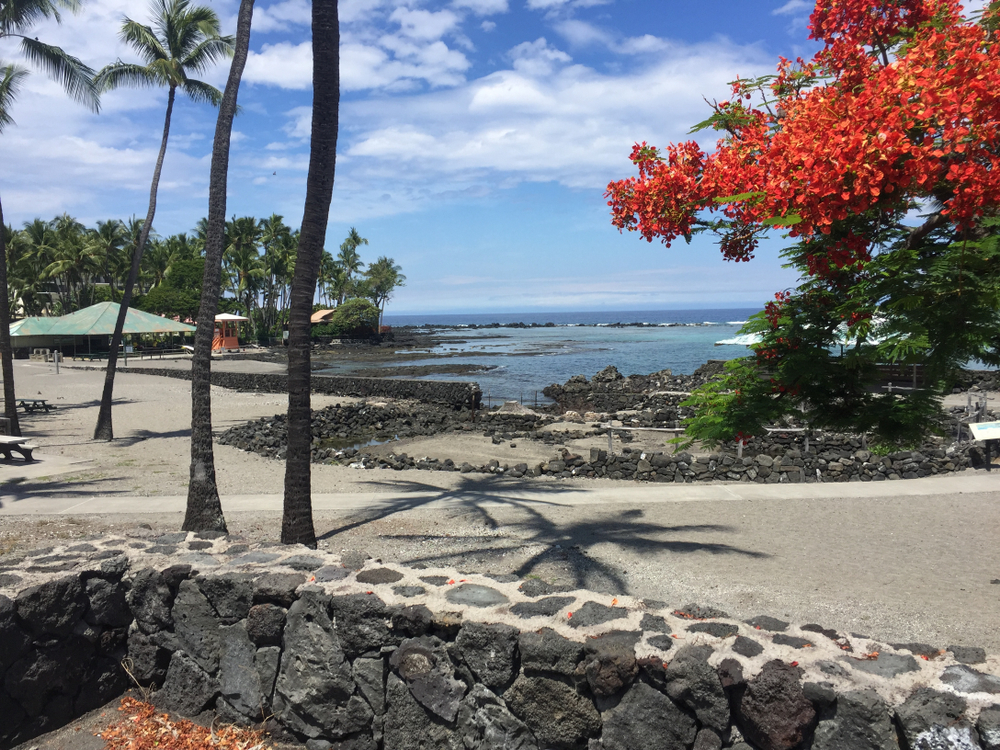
904 561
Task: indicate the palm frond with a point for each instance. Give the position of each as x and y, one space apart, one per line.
120 74
197 24
167 72
202 92
209 52
74 76
143 40
18 16
10 84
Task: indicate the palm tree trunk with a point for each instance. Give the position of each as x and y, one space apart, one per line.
104 430
6 352
297 521
204 508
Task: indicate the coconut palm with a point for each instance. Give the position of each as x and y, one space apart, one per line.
243 261
297 521
107 243
279 260
349 260
182 39
204 509
329 270
17 17
73 264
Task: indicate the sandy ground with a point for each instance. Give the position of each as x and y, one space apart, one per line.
919 561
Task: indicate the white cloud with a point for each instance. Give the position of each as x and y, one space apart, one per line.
283 64
351 11
581 34
390 61
537 58
552 5
488 26
424 24
545 120
482 7
793 7
643 45
281 16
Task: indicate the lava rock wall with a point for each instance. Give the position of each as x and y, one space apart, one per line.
451 392
343 652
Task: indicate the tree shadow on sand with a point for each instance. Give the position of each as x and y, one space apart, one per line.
521 536
70 485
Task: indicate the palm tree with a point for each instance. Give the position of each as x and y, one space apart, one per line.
204 509
339 285
243 261
40 250
73 265
349 260
383 277
297 522
276 237
17 17
183 38
107 243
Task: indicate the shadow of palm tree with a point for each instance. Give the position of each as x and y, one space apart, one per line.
20 488
58 408
529 534
138 436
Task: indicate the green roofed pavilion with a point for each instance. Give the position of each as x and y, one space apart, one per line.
89 325
100 319
31 326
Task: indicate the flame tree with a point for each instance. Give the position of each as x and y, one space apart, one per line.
880 159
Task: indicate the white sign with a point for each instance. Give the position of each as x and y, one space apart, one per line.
985 430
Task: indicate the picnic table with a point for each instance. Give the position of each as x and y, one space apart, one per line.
17 445
31 405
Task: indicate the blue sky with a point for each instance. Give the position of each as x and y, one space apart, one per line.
476 140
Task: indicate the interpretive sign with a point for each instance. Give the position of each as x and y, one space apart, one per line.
985 430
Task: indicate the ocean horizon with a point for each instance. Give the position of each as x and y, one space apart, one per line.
554 346
696 316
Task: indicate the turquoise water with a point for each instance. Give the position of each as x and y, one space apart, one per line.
525 360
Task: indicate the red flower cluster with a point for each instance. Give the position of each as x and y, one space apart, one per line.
774 310
873 133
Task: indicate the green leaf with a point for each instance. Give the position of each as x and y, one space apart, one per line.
783 221
740 197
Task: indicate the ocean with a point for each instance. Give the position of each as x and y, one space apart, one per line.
525 360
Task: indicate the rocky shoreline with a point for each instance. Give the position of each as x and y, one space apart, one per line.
347 434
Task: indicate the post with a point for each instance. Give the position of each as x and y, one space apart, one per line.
611 447
807 443
739 449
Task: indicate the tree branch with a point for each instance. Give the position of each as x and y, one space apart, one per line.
936 221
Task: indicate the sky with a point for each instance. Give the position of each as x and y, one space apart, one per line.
477 138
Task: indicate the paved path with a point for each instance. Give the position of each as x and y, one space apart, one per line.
913 560
569 493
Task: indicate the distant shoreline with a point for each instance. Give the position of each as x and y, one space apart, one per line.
551 324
